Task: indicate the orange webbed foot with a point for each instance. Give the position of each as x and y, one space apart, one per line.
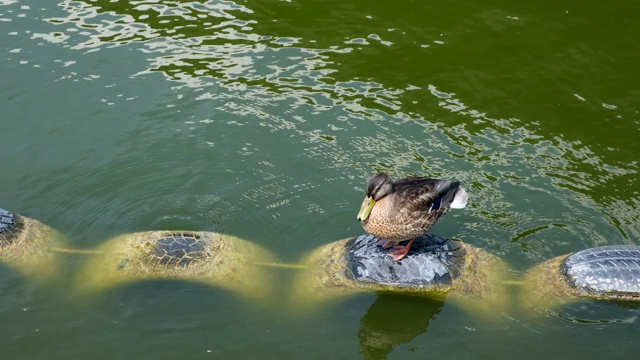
399 251
385 243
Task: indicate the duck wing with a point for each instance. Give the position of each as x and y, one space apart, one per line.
425 194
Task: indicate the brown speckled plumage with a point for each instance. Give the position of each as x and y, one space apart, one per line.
407 208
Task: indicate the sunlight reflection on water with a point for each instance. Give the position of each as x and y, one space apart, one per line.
525 185
265 120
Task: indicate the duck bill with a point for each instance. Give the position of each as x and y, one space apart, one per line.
365 209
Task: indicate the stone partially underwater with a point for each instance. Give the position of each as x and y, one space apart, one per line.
610 272
206 257
434 267
28 246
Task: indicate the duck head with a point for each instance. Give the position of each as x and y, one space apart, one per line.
380 186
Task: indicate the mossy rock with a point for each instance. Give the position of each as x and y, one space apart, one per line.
28 246
435 267
609 272
206 257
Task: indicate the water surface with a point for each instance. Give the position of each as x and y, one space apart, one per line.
265 119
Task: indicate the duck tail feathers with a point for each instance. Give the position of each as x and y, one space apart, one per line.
460 199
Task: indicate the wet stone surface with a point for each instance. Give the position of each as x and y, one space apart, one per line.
432 260
605 270
7 221
8 227
181 249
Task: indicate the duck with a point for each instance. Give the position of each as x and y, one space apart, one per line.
401 210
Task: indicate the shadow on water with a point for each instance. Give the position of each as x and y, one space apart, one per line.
394 320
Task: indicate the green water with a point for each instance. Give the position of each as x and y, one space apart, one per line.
265 119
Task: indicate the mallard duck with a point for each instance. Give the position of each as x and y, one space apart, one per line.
396 211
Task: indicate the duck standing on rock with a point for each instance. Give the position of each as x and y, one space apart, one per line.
396 211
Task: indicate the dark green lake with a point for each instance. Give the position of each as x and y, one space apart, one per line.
265 120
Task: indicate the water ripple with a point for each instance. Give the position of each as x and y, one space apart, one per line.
536 190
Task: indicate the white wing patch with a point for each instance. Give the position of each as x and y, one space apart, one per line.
460 200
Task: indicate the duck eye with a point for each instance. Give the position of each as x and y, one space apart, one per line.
376 191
